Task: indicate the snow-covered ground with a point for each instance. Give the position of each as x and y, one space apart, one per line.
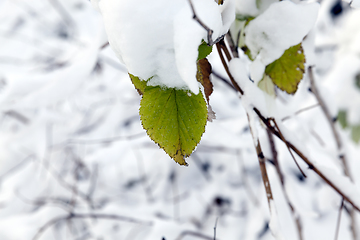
75 162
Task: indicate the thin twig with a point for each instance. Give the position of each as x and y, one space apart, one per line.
195 234
292 155
88 215
215 227
294 213
339 220
202 24
274 131
142 174
262 165
305 159
223 79
300 111
220 48
106 140
339 144
233 46
245 181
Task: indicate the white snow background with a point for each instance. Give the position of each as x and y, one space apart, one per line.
75 162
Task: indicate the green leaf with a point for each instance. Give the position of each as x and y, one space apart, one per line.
354 129
355 133
204 50
267 85
174 119
342 119
287 71
357 80
139 84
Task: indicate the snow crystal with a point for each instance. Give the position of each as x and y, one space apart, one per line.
282 25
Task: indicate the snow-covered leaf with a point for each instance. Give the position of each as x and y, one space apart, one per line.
287 71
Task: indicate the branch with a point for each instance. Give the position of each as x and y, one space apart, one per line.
339 144
339 220
275 132
305 159
294 213
88 215
222 47
195 234
202 24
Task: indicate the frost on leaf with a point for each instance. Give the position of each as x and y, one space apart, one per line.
287 71
174 119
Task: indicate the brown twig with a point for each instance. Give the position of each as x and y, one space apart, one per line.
300 111
195 234
262 165
222 47
210 32
88 215
305 159
215 227
339 144
245 181
232 45
339 220
294 213
292 155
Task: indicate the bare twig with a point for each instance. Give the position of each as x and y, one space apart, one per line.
294 213
292 155
93 180
194 234
215 227
305 159
223 80
233 46
142 173
246 183
262 164
300 111
106 140
222 47
339 220
202 24
88 215
63 13
21 118
339 144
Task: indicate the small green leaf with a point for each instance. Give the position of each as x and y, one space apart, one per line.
287 71
357 81
204 50
342 119
139 84
267 85
354 129
174 119
355 133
